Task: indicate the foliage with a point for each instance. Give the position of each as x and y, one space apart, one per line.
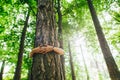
75 19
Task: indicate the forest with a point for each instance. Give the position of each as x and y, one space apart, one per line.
59 39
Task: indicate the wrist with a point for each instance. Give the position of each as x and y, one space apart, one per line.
53 47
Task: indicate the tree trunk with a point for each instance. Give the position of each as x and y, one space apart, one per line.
97 66
60 38
17 74
2 70
111 65
86 70
71 63
29 74
46 66
98 70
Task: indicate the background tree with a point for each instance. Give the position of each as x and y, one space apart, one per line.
60 35
86 70
71 63
21 49
76 25
112 67
2 70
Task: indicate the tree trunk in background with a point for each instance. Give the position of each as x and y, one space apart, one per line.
97 66
71 63
2 70
60 38
98 70
29 74
46 66
17 74
86 70
111 65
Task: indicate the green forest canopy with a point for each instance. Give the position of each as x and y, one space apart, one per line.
77 26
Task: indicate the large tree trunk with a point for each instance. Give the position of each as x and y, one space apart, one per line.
111 65
17 74
71 63
2 70
46 66
60 37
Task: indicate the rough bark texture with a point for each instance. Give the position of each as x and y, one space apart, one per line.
60 37
71 63
17 74
111 65
46 66
2 70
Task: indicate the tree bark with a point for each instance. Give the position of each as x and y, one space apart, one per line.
2 70
60 37
46 66
17 74
71 63
111 65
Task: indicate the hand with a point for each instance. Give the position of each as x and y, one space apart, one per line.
45 49
58 50
37 50
48 48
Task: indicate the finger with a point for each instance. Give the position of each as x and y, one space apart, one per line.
45 45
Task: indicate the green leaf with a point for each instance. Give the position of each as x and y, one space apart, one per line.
2 29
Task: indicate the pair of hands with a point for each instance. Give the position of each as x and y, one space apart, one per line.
42 50
45 49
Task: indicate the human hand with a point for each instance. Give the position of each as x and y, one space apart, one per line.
58 50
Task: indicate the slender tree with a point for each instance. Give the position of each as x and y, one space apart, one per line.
17 73
86 70
60 37
97 66
71 63
2 70
46 66
111 65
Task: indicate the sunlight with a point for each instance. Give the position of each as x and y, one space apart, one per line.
69 1
115 7
6 69
58 23
105 17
